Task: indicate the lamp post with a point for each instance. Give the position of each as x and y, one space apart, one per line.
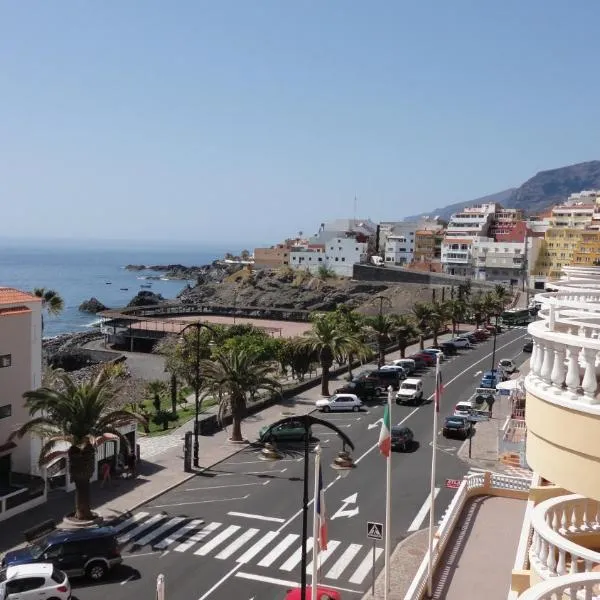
198 325
343 463
494 348
388 302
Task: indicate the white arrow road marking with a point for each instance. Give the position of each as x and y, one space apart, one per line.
478 373
373 425
343 511
202 502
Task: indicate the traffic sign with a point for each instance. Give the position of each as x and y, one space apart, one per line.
374 530
453 484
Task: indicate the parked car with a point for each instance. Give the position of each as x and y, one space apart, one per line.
402 438
490 379
41 581
418 360
448 348
323 593
435 352
528 345
363 388
461 342
507 365
427 358
400 370
340 402
456 426
484 332
383 378
410 391
292 430
473 339
89 552
463 409
494 328
479 335
408 364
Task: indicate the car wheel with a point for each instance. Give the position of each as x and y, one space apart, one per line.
355 409
96 571
326 409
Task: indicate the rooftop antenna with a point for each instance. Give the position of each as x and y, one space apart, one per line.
355 206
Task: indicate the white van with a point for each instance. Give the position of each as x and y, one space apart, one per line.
408 364
410 391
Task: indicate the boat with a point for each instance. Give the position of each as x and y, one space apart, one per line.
124 289
108 282
146 285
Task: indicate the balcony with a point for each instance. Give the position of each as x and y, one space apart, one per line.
585 586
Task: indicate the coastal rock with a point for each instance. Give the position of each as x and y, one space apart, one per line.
146 298
93 305
135 268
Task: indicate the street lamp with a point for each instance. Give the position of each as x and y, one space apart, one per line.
343 463
388 302
198 325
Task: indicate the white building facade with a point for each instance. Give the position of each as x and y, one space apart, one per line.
338 255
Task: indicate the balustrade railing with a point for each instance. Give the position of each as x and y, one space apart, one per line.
581 586
557 524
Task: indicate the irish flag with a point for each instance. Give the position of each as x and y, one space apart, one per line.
385 435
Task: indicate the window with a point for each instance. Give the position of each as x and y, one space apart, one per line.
5 411
5 360
343 259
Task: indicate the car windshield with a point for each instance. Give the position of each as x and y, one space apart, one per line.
399 431
409 386
452 421
505 362
38 548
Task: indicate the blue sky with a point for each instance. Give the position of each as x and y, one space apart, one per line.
250 120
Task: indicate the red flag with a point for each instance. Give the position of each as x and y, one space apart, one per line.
321 513
439 390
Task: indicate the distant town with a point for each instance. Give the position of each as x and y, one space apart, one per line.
484 242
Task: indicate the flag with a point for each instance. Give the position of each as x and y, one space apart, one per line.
321 513
439 390
385 435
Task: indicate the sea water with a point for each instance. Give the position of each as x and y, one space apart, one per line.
79 270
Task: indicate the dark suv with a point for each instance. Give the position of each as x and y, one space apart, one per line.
85 552
364 388
382 378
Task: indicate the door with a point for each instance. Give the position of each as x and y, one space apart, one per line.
72 556
29 588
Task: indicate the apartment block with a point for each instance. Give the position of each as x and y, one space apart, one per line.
272 257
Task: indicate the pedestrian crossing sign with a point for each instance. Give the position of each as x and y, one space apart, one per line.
374 530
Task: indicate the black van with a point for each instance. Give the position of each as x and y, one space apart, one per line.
363 388
382 378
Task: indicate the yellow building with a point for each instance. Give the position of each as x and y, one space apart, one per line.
588 250
558 249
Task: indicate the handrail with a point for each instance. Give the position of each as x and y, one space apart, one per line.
553 588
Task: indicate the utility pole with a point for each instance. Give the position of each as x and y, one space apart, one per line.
526 267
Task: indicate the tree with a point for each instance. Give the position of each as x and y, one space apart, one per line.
464 290
491 306
156 389
502 294
52 302
422 313
245 255
456 310
83 415
437 319
234 375
405 331
476 309
328 340
354 325
383 327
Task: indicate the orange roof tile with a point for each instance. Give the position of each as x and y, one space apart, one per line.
10 295
451 240
14 310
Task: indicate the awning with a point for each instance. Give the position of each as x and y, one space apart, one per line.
511 384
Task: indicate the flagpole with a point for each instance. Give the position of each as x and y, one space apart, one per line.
388 503
316 524
436 401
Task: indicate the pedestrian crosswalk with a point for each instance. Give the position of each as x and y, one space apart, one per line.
341 561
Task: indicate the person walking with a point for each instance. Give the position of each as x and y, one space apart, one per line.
106 475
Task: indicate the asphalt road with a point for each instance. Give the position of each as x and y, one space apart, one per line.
234 532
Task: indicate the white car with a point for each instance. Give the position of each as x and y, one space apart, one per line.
460 342
463 409
340 402
34 581
507 365
410 391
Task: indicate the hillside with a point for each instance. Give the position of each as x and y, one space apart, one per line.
542 191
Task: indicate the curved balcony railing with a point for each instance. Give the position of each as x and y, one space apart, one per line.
582 586
557 524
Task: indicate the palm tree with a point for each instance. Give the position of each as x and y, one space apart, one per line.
477 309
234 375
456 310
502 294
384 328
422 312
491 306
353 323
82 415
437 319
52 302
328 340
405 331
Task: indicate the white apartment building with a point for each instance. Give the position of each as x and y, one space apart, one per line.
472 221
400 249
457 256
20 371
501 262
397 238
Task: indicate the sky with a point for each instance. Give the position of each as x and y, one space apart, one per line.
251 120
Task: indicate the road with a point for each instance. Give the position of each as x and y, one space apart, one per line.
234 532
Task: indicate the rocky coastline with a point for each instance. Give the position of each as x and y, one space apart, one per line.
192 273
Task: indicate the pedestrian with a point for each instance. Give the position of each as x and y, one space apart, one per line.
131 463
106 475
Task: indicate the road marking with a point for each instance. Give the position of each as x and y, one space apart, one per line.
237 543
218 539
131 520
253 472
256 548
285 543
221 581
343 561
416 523
262 462
197 537
295 558
177 535
201 502
375 424
365 566
128 579
259 517
478 373
142 527
285 583
343 511
138 555
323 555
220 487
170 524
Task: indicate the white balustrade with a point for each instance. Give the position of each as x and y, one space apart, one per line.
557 524
580 586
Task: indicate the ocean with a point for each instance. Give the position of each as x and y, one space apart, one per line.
80 270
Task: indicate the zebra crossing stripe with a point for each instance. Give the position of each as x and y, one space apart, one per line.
260 545
237 543
365 566
130 521
177 535
141 528
324 555
218 539
295 558
343 561
197 537
170 524
285 543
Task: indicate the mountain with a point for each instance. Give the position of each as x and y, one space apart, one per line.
543 190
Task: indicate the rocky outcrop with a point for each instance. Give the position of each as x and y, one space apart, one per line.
93 305
217 271
146 298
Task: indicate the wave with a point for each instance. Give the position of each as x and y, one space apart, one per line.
142 277
94 323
